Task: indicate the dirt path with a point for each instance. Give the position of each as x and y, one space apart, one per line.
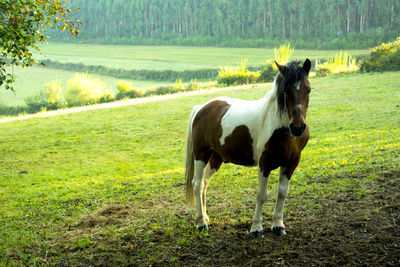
122 103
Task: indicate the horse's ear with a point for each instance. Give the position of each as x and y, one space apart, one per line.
282 69
307 66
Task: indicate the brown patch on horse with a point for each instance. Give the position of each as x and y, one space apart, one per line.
206 129
206 134
215 161
282 149
238 147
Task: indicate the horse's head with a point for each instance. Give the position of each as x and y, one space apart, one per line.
293 93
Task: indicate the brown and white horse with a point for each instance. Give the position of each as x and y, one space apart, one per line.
269 133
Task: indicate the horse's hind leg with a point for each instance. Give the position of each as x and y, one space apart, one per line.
211 168
208 173
198 188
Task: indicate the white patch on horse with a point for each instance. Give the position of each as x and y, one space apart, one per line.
299 106
260 116
297 85
277 218
262 196
240 112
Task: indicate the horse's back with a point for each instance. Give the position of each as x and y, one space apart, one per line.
221 126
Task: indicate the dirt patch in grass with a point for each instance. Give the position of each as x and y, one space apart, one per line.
349 228
108 215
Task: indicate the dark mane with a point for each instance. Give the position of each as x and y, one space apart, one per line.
293 73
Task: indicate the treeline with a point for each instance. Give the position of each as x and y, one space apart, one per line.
305 23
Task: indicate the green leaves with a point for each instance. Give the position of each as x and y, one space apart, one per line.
21 26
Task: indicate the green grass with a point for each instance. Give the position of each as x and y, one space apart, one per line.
106 186
31 80
168 57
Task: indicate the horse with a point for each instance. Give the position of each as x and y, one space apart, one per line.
269 133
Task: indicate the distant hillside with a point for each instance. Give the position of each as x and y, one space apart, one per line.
256 23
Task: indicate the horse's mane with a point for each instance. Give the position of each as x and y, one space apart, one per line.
293 73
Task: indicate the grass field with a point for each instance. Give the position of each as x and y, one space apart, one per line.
169 57
31 80
105 187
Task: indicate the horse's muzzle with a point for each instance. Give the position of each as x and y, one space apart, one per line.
297 131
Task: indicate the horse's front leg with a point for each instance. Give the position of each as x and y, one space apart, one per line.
278 228
262 196
198 188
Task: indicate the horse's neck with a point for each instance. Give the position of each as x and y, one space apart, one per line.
271 118
270 114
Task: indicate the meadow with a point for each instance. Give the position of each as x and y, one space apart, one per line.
31 80
106 187
169 57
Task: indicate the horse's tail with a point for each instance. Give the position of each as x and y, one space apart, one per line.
189 161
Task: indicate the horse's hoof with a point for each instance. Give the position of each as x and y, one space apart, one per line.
203 228
258 234
278 230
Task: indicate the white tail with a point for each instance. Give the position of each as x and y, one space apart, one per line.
189 160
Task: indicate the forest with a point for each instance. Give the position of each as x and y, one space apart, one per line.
254 23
